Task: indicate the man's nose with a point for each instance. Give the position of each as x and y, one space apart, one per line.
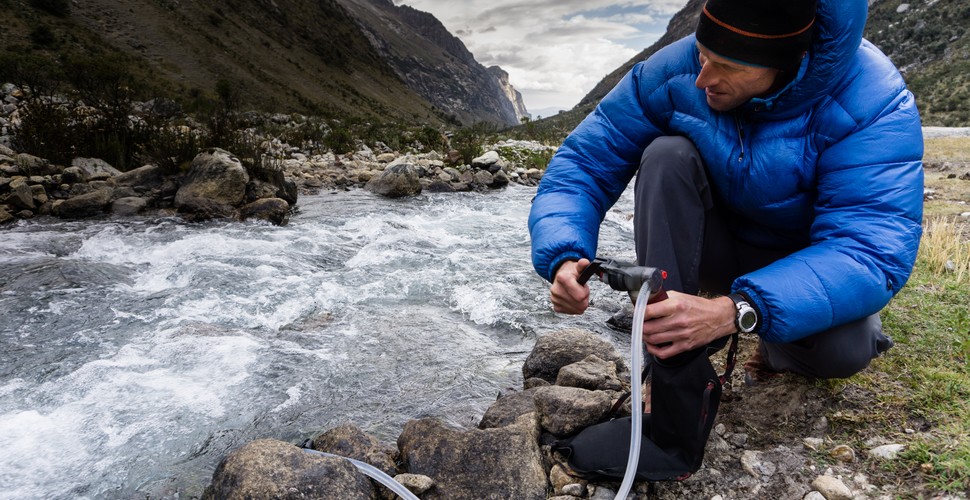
706 78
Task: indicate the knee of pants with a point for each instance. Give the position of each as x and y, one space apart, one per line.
838 353
669 154
845 365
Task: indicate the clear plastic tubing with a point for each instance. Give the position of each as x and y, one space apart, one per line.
636 396
374 473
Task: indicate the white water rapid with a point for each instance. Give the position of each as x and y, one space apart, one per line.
135 353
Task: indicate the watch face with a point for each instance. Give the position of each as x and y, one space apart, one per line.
747 320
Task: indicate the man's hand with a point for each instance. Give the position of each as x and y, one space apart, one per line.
567 295
685 322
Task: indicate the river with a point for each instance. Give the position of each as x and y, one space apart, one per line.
135 353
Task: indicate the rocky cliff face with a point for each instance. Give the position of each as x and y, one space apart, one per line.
339 58
432 62
513 95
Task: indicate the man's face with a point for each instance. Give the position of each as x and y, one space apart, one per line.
729 84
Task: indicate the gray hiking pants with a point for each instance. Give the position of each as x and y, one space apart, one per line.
682 228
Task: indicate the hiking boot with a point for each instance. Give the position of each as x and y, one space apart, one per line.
756 370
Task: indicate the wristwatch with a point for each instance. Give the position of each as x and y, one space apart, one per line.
747 317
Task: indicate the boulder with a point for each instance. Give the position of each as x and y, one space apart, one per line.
486 160
566 410
483 178
591 373
39 194
396 181
72 175
217 176
85 205
499 179
130 205
274 469
95 169
5 217
202 209
452 172
269 181
274 210
563 348
351 442
476 464
141 179
21 195
32 165
439 186
507 408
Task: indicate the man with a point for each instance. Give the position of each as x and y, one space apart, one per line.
778 163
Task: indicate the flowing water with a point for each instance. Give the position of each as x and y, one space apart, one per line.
135 353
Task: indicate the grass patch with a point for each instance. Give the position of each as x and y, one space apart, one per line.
946 149
944 248
918 394
931 326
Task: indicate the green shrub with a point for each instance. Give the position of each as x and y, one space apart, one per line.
340 140
39 76
42 36
47 130
222 119
106 83
171 146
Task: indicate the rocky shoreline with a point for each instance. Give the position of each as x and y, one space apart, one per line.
218 186
263 182
769 442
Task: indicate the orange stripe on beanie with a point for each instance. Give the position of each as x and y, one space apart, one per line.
769 33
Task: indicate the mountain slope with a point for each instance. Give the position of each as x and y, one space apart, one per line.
330 57
433 62
927 40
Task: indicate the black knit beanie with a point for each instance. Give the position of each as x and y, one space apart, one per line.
769 33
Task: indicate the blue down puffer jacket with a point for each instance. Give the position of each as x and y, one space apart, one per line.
830 164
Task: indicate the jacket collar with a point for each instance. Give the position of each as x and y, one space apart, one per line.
838 34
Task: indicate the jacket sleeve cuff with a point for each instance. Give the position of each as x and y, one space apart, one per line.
764 321
558 261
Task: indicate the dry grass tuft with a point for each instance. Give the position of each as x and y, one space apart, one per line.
946 148
944 248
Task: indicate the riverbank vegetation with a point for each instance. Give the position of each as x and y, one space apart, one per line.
919 392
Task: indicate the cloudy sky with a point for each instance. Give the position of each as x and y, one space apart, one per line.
555 51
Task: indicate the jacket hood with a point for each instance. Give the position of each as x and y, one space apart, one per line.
838 34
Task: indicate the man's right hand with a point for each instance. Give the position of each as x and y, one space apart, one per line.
567 295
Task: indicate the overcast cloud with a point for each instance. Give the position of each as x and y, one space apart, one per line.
555 51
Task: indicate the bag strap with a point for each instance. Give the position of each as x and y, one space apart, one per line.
732 357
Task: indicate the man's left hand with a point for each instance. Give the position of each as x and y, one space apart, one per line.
685 322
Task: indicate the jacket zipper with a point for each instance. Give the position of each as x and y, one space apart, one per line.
736 173
737 123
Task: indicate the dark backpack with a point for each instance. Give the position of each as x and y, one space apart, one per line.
685 395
